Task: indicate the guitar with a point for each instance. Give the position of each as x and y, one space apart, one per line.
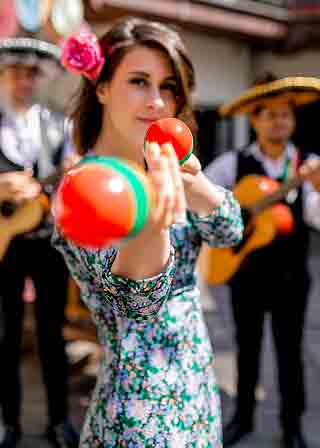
19 219
256 195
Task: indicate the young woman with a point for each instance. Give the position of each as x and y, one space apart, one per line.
156 386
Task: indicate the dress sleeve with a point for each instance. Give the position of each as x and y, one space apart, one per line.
139 299
224 226
78 269
134 299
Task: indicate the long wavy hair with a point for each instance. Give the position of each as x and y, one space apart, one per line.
124 35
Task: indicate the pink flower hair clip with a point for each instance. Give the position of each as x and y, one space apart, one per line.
82 54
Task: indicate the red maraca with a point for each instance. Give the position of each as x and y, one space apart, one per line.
173 131
283 218
282 214
100 201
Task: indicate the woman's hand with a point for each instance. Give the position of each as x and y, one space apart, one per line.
190 168
18 186
164 175
202 196
148 253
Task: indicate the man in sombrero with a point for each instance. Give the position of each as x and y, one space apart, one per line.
273 279
33 145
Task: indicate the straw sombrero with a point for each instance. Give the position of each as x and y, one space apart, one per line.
30 52
297 90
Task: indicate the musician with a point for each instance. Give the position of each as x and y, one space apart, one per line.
33 144
273 279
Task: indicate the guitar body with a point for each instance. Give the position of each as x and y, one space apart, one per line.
218 265
24 219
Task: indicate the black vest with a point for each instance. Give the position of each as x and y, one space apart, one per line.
53 137
286 253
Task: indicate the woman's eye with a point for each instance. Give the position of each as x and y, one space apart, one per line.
170 87
138 81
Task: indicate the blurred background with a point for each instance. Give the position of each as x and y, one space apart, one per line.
231 42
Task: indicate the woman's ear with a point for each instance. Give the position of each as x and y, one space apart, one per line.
103 93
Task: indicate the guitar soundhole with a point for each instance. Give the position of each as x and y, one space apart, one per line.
7 208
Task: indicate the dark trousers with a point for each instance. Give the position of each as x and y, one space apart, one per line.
45 265
285 298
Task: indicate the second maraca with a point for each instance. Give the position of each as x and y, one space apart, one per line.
174 131
104 200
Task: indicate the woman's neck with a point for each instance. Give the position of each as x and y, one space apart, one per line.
115 147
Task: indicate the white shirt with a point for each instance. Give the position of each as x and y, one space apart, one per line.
20 137
223 171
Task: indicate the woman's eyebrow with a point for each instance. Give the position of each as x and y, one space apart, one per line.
140 73
147 75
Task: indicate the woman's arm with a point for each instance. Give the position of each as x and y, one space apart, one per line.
202 195
148 254
214 211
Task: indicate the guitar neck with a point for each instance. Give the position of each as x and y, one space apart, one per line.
276 196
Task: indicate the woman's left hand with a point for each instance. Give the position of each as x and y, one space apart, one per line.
190 169
201 195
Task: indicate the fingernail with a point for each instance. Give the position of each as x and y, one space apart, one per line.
181 218
155 151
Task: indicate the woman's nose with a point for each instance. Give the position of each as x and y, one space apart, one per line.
155 100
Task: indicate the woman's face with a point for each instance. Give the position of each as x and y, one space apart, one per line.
143 89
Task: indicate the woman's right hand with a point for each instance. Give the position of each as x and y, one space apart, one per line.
18 186
148 253
166 181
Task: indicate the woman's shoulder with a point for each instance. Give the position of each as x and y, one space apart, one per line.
94 258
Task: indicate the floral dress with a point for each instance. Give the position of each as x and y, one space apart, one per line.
156 386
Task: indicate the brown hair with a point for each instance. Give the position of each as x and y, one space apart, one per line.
124 35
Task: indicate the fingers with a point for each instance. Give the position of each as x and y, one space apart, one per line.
179 203
310 171
164 172
158 165
19 186
191 166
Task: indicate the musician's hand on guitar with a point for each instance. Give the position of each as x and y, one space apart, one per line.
18 186
310 171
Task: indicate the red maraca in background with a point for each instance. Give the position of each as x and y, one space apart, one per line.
281 213
100 201
283 218
173 131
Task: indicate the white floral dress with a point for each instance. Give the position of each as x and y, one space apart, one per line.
156 386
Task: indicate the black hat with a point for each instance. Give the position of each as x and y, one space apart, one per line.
30 52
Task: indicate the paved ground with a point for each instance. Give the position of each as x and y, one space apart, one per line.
220 325
267 434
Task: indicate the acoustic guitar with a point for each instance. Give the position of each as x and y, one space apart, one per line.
218 265
19 219
16 220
